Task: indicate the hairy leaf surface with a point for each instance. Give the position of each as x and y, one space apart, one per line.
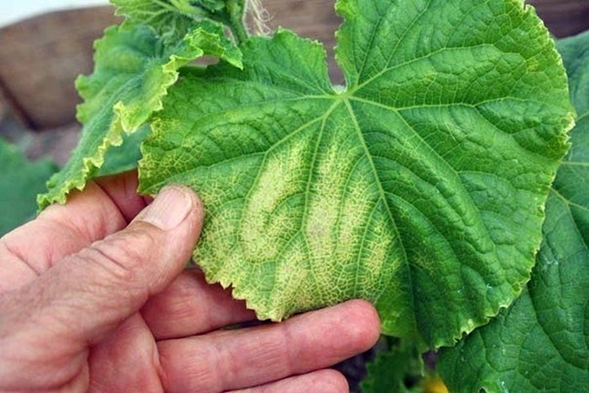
420 186
541 343
134 67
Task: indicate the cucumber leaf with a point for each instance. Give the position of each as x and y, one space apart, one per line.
134 67
124 157
420 186
169 15
393 368
541 343
20 181
172 17
166 17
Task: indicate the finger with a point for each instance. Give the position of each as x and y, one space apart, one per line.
324 381
226 360
105 207
87 295
121 189
190 306
130 348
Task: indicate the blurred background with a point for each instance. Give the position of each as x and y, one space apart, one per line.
45 44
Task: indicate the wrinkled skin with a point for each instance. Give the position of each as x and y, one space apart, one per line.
94 297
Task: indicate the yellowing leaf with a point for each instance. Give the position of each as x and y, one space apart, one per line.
420 186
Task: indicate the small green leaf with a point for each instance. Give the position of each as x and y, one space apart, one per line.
174 17
420 186
134 67
20 182
541 343
167 17
391 368
125 156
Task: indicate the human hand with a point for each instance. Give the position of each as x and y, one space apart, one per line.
89 302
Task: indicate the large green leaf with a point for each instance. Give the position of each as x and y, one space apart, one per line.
20 182
420 186
134 67
541 343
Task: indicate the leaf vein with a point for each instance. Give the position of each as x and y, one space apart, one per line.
382 193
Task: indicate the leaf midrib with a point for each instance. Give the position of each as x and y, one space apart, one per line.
289 136
382 197
387 69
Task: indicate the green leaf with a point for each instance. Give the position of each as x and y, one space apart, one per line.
391 367
125 156
134 67
174 17
420 186
165 16
386 373
20 182
541 343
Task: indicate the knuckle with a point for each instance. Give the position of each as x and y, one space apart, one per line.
123 255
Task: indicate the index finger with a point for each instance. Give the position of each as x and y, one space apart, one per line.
105 206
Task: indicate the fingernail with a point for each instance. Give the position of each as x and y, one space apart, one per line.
169 208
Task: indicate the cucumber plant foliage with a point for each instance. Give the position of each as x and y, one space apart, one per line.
541 343
420 185
20 181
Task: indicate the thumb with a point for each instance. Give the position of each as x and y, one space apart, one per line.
88 295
